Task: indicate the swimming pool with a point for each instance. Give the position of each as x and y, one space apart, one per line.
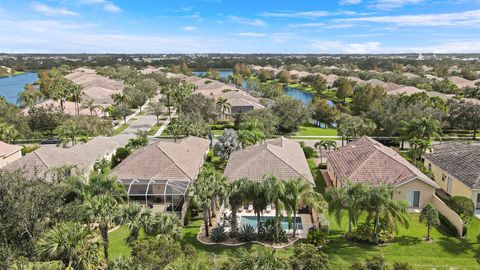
252 220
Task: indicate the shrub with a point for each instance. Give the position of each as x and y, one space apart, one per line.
218 234
316 237
377 262
29 148
401 266
121 154
308 257
246 233
267 231
447 225
463 206
309 152
364 233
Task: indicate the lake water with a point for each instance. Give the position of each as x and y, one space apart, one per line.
302 96
224 73
11 86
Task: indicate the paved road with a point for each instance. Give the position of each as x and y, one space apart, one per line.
143 122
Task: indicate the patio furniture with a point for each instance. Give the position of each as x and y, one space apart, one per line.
250 208
269 208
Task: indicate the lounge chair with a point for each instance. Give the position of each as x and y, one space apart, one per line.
250 208
269 208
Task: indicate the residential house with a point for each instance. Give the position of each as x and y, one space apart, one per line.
41 163
456 168
160 173
279 157
9 153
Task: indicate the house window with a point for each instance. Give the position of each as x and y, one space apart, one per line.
413 198
444 177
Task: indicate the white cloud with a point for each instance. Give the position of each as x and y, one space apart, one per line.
391 4
247 21
306 25
106 5
189 28
328 46
349 2
303 14
467 18
250 34
51 11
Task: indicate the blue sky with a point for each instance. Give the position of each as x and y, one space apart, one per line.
246 26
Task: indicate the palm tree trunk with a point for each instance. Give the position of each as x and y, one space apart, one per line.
375 227
233 221
349 221
205 219
294 222
276 222
428 232
258 221
168 105
104 232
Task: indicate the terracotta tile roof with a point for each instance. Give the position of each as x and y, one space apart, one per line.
8 149
461 82
39 162
280 157
407 90
165 160
460 160
366 160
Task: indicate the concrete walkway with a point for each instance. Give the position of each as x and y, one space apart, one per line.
165 124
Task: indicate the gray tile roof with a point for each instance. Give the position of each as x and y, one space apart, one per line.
280 157
83 156
8 149
366 160
165 160
460 160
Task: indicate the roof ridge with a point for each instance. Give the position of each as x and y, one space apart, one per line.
173 161
281 159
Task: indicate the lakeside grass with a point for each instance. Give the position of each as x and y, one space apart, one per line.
312 130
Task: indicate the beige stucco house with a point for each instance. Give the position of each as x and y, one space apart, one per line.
9 153
366 160
456 168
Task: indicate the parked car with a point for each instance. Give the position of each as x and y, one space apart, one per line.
51 141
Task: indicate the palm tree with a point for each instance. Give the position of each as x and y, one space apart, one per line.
76 92
349 197
68 133
237 195
164 224
157 109
29 96
424 128
73 244
202 193
90 105
275 193
384 210
167 90
8 133
259 258
134 217
119 98
223 106
322 144
182 91
298 192
103 210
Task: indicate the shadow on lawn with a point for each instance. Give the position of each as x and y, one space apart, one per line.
407 240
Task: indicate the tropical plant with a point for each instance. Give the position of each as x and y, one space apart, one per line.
75 95
134 217
257 194
202 193
316 237
8 133
246 233
463 206
299 192
275 193
102 209
29 96
402 266
90 105
259 258
155 253
223 106
68 132
164 224
122 263
237 195
250 137
226 144
218 234
350 198
429 216
73 244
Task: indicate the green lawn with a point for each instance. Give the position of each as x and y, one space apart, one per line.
120 129
445 252
153 130
312 130
217 132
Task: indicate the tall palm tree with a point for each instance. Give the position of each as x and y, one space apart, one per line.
223 106
180 93
103 210
424 128
167 90
275 193
73 244
351 198
257 194
298 192
384 210
202 193
237 195
90 105
76 92
322 144
134 217
29 96
164 224
119 98
68 133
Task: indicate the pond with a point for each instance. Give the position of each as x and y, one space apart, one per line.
224 73
12 85
302 96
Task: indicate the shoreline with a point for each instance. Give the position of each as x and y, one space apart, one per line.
11 75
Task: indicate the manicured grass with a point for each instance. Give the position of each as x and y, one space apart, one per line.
217 132
445 252
120 129
117 245
317 175
312 130
153 130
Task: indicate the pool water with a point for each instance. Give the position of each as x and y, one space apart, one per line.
252 220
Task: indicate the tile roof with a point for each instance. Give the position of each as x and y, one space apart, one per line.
460 160
165 160
407 90
280 157
48 157
366 160
8 149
